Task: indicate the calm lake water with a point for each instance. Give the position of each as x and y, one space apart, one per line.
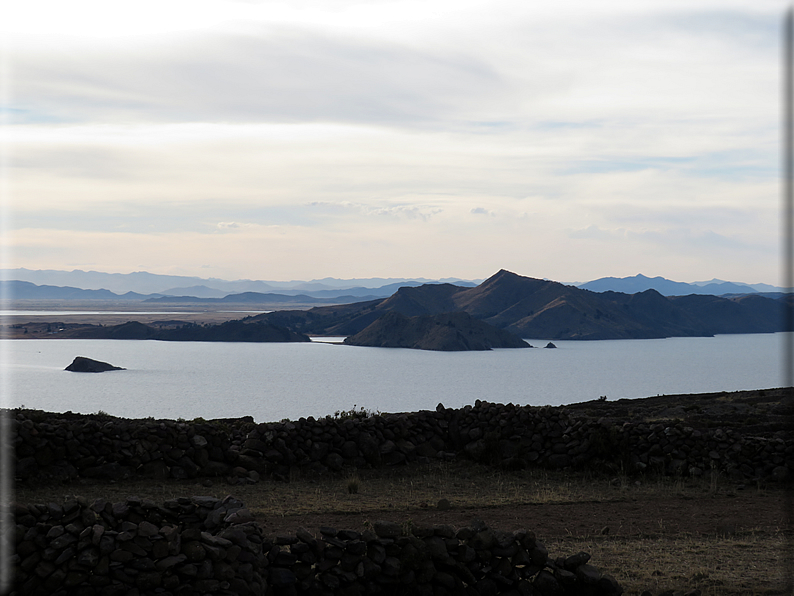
276 381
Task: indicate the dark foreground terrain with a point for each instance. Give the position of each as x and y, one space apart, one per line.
713 533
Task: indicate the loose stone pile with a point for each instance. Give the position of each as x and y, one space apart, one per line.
185 546
64 446
203 545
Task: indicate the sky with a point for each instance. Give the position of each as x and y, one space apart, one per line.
302 140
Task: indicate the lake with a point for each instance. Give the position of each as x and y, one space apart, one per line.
273 381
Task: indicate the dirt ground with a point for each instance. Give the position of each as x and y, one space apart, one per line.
736 514
719 537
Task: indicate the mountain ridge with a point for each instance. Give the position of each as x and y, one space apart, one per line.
143 282
667 287
542 309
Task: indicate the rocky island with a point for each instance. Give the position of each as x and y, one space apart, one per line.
449 332
87 365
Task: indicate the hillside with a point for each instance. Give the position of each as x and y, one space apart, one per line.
230 331
542 309
449 332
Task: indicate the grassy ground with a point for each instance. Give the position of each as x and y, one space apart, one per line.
650 533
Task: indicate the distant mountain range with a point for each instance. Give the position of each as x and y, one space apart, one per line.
541 309
666 287
149 284
92 285
23 290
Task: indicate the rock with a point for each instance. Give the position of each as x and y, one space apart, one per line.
550 345
240 516
282 577
476 450
587 574
547 584
574 561
387 529
559 460
83 364
109 471
154 469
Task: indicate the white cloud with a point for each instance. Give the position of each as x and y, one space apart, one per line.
482 211
615 132
263 76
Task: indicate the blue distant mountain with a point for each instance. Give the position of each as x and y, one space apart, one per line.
91 285
666 287
147 284
23 290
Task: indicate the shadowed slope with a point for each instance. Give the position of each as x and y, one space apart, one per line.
449 332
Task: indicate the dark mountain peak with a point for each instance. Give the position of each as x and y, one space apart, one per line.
501 292
503 273
507 280
422 300
502 276
647 295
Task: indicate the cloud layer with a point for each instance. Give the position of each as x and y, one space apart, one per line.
353 140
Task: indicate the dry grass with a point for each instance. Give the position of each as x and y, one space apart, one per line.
748 560
406 488
717 566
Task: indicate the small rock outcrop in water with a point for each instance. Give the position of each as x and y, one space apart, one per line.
83 364
550 345
449 332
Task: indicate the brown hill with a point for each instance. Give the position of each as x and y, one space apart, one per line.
230 331
542 309
448 332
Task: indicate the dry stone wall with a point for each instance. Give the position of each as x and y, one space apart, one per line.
202 545
51 447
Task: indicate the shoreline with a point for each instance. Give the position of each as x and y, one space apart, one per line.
776 402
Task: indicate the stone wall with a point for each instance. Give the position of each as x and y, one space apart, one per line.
202 545
64 446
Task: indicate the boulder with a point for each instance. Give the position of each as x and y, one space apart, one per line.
83 364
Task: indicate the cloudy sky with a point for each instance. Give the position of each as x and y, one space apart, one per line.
298 140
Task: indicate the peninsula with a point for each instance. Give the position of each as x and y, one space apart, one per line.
543 309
